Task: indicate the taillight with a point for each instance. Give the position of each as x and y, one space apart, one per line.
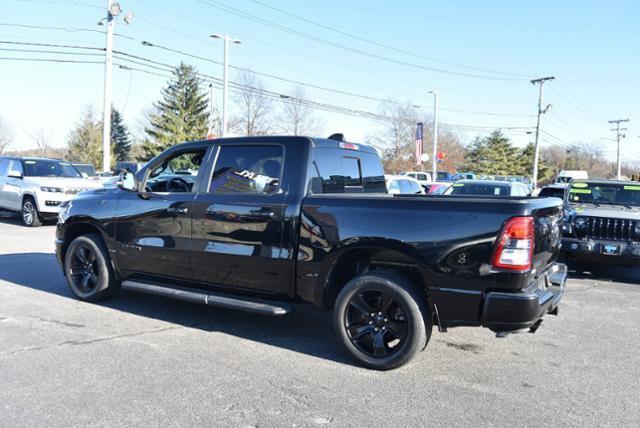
514 247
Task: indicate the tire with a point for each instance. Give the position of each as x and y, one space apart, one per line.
30 215
88 269
379 334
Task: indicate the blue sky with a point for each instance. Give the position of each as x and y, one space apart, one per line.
591 48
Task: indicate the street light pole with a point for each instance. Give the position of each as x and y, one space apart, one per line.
434 160
225 77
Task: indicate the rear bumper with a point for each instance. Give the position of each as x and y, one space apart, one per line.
592 251
503 312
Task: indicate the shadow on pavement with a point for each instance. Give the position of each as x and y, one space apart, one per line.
304 331
598 272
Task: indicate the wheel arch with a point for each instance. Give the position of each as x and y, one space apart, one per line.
76 228
375 254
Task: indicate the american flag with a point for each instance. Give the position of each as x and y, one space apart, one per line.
419 142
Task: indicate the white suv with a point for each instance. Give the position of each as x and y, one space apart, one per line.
36 187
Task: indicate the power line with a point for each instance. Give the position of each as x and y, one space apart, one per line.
51 60
271 24
382 45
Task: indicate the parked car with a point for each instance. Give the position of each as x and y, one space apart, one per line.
560 191
487 188
443 176
437 188
275 223
36 187
86 169
130 166
424 178
463 176
566 176
403 185
603 223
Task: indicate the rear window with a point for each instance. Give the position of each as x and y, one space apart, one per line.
478 189
551 192
342 171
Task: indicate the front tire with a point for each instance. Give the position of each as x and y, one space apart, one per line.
88 269
382 319
30 215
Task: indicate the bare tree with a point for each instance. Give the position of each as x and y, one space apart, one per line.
6 135
42 137
296 116
254 106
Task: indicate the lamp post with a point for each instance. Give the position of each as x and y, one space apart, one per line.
225 88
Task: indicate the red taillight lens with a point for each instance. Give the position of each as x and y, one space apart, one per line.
514 247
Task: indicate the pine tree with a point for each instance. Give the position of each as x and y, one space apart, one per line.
492 155
120 137
181 115
525 164
85 140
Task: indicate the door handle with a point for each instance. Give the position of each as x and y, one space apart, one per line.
175 210
262 213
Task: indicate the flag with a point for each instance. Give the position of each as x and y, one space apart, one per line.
419 143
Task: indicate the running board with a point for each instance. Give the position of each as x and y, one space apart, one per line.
255 306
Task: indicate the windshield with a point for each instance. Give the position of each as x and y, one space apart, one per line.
49 168
605 193
477 189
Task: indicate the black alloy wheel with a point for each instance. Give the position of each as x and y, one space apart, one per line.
382 319
88 270
84 270
376 323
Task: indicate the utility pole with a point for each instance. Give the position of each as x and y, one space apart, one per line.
225 78
113 10
618 137
108 64
434 159
541 111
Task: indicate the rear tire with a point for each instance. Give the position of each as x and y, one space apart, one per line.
382 319
30 215
87 267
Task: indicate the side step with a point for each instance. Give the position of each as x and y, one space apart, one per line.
255 306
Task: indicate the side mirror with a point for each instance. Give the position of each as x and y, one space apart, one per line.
127 181
14 174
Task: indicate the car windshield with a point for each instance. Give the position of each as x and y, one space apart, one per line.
605 193
480 189
49 168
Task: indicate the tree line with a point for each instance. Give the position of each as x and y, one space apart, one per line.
182 113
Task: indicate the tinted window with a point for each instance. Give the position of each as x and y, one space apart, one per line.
478 189
340 171
443 175
422 177
551 192
605 193
4 167
49 168
247 169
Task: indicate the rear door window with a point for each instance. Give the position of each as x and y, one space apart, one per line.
248 169
405 187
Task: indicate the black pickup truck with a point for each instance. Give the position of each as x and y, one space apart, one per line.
268 224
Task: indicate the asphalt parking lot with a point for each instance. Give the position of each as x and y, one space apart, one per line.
145 360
